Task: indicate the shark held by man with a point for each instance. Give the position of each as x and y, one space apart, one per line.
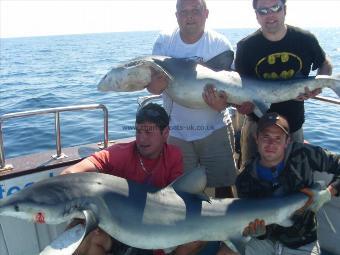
186 81
143 216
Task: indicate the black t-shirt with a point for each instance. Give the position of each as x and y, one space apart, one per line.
291 57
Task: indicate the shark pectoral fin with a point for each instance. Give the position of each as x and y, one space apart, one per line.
91 221
260 108
67 242
70 239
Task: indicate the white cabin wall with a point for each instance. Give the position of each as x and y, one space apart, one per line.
329 239
19 237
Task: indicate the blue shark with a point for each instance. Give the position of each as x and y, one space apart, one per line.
143 216
187 79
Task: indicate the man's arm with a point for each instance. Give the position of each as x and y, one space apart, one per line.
159 82
326 67
83 166
217 100
317 198
326 161
323 161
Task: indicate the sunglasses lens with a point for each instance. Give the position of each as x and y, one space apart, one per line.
274 9
262 11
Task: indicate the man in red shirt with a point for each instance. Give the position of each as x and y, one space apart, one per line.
148 159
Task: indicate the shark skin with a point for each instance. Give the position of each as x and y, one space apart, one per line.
187 80
143 216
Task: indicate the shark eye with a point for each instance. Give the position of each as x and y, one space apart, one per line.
16 208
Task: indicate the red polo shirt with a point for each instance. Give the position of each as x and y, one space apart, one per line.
124 161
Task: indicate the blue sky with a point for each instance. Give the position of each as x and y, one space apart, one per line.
53 17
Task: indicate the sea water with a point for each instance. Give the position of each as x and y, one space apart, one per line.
55 71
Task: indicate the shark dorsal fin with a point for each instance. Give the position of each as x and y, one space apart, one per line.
193 182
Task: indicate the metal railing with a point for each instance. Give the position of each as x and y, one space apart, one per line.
56 111
146 99
328 99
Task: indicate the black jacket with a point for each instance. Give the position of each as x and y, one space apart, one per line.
301 161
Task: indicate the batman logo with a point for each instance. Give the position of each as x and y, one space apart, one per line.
281 65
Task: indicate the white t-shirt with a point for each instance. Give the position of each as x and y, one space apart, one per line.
186 123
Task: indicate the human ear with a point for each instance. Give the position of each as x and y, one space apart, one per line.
165 133
288 140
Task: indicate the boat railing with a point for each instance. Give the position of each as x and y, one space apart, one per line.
146 99
56 111
328 99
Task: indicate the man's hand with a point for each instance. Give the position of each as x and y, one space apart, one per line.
308 94
245 108
215 99
255 228
159 82
317 198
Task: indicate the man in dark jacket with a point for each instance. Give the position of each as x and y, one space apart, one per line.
281 168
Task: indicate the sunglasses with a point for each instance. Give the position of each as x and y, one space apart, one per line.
194 12
266 10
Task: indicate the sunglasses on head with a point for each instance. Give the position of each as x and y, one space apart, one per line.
266 10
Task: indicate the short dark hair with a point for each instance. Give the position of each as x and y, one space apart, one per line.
153 113
178 4
255 3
